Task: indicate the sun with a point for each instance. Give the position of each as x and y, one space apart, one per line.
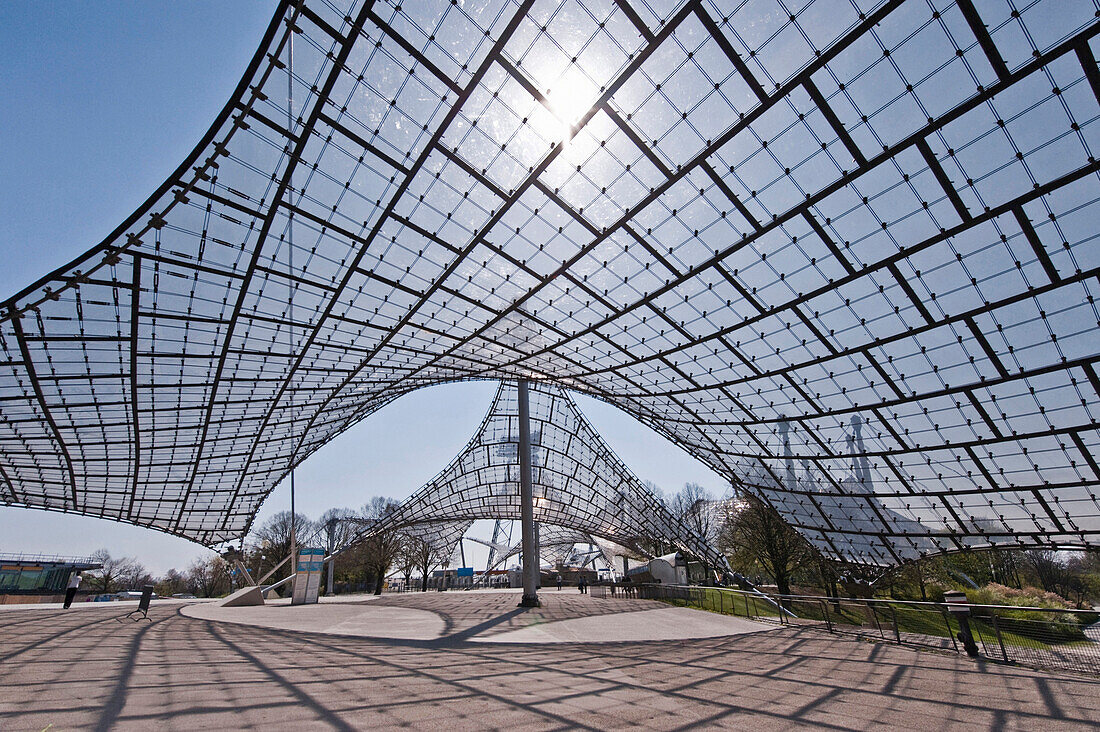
569 100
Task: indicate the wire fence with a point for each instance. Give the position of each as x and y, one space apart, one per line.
1046 638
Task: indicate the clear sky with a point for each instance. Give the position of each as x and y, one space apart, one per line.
103 101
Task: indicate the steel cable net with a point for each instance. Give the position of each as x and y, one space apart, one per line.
578 482
442 537
554 543
720 217
558 546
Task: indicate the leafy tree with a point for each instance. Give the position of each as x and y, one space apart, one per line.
754 532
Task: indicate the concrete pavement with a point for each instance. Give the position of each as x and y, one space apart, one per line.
85 670
486 616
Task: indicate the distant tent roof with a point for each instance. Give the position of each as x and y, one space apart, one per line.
442 536
579 484
719 217
556 545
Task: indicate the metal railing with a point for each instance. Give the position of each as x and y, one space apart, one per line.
1047 638
46 558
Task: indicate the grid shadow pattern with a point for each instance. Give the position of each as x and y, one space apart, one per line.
82 669
758 227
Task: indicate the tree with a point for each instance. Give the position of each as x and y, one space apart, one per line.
694 505
407 560
117 573
418 553
209 577
645 545
272 540
654 489
755 532
334 522
1047 566
172 583
381 549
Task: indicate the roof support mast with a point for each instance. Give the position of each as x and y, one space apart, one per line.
290 269
527 504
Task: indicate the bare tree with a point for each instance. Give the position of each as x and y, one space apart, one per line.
209 577
335 522
272 540
1047 566
406 560
335 530
173 582
381 550
417 553
755 532
654 489
694 505
117 573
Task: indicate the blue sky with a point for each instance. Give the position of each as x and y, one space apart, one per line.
103 101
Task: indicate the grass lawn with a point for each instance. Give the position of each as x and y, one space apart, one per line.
929 622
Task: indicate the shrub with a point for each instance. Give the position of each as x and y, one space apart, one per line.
1050 627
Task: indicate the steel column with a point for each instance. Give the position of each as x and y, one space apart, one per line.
527 504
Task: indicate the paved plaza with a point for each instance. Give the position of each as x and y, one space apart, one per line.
82 669
491 617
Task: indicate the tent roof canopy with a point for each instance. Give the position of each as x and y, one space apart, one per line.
849 242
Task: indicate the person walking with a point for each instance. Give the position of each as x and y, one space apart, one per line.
70 591
559 583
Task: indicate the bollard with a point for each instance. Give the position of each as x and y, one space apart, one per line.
957 605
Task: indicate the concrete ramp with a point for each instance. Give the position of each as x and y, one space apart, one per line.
244 597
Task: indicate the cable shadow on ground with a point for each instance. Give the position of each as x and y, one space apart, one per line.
253 677
115 703
688 693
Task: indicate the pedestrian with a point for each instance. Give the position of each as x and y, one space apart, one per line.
70 591
559 583
580 584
